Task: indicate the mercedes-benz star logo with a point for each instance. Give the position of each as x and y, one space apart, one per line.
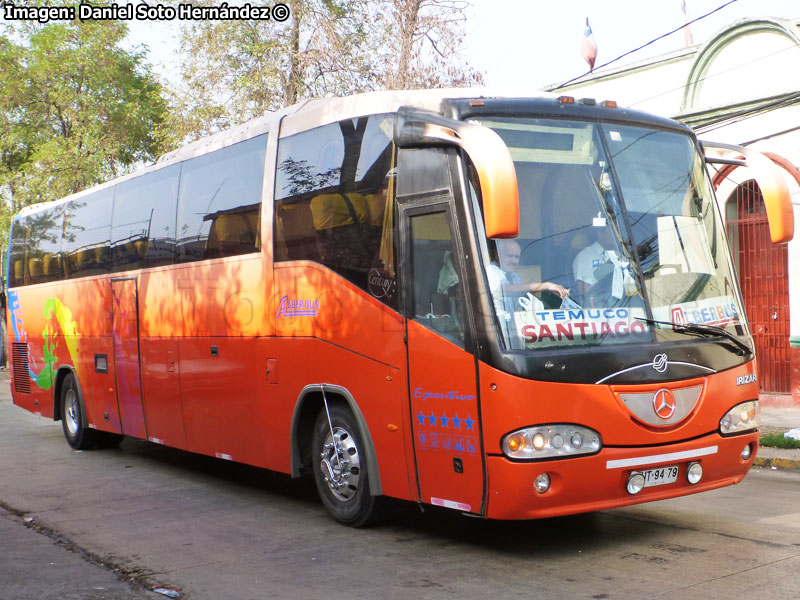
664 403
660 362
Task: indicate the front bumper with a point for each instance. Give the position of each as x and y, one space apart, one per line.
598 482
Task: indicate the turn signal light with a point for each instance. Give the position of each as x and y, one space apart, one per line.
515 442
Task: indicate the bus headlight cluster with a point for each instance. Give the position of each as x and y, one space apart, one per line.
742 417
550 441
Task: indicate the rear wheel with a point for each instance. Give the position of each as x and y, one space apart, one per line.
340 469
78 435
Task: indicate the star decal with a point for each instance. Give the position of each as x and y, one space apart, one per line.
432 419
456 422
444 420
469 422
421 418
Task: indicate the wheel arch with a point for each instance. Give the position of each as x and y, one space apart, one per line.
308 405
61 374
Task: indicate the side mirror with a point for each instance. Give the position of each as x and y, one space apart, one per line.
497 177
777 200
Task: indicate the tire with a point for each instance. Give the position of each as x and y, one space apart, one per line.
78 435
343 488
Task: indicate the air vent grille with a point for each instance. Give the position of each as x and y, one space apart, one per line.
22 376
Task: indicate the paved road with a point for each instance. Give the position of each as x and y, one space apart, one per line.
219 531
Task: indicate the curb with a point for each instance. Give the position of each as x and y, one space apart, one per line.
786 464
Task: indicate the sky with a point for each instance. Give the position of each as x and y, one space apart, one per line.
533 43
537 42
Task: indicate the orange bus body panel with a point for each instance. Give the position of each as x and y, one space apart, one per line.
342 313
65 324
446 420
161 391
598 407
125 334
379 390
206 332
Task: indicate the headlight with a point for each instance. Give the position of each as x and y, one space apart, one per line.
550 441
742 417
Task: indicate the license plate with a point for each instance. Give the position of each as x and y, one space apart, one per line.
660 476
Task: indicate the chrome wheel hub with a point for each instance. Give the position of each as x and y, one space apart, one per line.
340 464
72 412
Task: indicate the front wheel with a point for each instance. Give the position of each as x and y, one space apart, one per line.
340 468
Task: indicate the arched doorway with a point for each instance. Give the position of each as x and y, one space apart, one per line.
763 275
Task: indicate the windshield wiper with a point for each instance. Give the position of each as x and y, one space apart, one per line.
703 331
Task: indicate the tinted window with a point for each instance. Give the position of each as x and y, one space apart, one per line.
424 171
87 234
438 298
219 210
43 250
143 223
334 201
16 258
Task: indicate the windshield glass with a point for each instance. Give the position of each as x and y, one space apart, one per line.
617 225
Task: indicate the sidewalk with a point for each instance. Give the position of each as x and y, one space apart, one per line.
778 415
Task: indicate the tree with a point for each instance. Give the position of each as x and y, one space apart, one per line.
426 39
75 110
236 70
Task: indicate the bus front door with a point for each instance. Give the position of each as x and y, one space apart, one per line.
442 380
125 333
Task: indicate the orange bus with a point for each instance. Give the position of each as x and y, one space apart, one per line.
514 307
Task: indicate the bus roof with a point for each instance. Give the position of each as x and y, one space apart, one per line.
322 111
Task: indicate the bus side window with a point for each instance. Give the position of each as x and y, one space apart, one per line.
44 241
219 208
18 252
87 234
334 202
143 220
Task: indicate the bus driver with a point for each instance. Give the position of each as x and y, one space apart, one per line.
505 283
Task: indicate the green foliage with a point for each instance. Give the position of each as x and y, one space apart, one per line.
234 71
75 110
777 440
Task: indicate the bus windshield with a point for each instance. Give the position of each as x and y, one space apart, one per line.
618 229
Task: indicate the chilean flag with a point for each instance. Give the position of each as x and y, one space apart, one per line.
687 34
588 46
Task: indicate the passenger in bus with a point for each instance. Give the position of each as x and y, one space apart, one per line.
505 283
602 277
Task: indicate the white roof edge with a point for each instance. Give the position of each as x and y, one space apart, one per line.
322 111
